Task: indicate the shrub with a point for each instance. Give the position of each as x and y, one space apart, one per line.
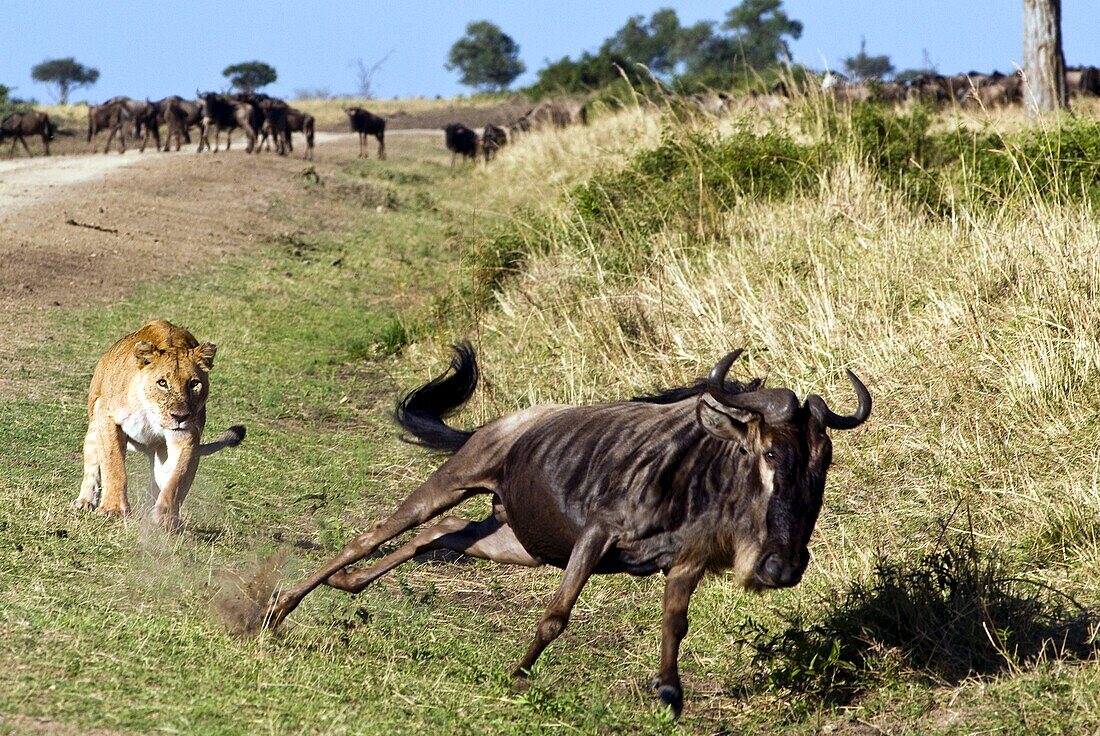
951 613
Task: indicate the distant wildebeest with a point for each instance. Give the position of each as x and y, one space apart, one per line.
19 125
274 125
111 117
179 115
142 117
1083 81
716 476
300 122
256 114
223 113
367 123
493 138
460 141
145 118
926 88
555 113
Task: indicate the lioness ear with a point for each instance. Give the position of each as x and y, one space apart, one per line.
204 354
144 351
725 422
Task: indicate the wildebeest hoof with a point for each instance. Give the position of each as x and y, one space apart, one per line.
670 695
673 697
521 681
277 610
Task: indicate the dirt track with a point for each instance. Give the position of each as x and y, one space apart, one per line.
84 229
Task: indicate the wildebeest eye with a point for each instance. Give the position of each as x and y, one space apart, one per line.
770 456
195 384
163 384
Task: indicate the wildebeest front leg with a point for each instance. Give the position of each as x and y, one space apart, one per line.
488 539
587 553
438 494
679 585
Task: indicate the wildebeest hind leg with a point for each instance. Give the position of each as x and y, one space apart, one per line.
438 494
488 539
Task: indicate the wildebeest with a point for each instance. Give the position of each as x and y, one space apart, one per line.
1083 80
145 118
274 124
18 125
300 122
110 117
460 141
221 113
716 476
179 115
493 138
367 123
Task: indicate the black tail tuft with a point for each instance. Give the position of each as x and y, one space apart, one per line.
234 435
422 411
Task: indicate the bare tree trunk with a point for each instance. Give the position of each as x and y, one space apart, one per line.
1044 63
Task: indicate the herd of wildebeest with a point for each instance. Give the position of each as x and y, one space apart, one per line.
270 122
266 122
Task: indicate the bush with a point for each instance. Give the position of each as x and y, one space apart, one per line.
949 614
683 184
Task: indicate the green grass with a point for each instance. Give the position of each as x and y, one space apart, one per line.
589 266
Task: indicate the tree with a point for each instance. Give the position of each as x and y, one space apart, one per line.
589 72
1044 62
364 75
249 76
759 27
864 66
486 56
66 74
655 44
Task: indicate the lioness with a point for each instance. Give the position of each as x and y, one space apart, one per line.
149 394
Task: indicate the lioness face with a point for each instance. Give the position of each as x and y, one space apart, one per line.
174 383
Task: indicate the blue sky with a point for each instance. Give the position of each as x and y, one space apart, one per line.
143 52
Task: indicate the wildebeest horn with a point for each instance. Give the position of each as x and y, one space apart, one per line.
774 404
825 415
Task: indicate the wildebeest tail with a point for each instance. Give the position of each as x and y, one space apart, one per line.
422 411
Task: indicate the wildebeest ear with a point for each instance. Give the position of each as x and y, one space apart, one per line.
145 351
725 422
204 354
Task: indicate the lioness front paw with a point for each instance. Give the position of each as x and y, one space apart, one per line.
117 511
167 520
82 504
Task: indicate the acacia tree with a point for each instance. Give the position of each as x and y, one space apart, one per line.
759 27
654 43
868 66
66 74
1044 62
249 76
487 57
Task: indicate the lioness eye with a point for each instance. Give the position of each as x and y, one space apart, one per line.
163 384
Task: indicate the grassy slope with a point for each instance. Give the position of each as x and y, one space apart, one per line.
977 335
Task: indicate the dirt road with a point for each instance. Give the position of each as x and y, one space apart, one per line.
84 229
36 180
